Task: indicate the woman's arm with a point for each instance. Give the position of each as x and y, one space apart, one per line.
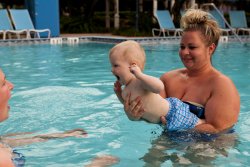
222 108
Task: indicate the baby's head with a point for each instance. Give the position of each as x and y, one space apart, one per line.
130 51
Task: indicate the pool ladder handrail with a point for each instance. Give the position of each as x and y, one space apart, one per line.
222 16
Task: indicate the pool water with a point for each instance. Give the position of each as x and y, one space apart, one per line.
63 87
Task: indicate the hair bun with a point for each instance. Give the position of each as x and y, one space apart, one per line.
199 20
193 17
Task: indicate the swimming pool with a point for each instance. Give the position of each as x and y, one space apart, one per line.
62 87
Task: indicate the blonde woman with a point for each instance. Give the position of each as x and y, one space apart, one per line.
198 83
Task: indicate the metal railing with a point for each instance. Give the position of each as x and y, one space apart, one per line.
222 16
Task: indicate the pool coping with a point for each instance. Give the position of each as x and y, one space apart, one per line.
110 39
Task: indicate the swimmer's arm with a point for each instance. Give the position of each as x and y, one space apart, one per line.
16 134
148 82
222 108
21 141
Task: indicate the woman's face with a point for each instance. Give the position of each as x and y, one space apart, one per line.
5 94
194 52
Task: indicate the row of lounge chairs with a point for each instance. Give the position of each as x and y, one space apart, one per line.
18 22
238 23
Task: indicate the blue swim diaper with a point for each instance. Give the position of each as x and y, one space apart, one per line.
179 116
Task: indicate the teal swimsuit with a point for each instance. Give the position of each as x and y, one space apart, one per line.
18 159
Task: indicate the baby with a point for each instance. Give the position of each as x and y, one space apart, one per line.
127 60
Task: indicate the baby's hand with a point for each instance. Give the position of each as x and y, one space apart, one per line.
134 69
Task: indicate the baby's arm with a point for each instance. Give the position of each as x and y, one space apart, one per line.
150 83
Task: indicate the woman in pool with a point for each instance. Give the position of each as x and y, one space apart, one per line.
199 82
8 157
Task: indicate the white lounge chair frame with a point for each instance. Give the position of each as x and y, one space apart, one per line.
22 21
166 24
6 26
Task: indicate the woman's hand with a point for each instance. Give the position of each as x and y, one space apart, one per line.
118 91
133 109
163 120
117 87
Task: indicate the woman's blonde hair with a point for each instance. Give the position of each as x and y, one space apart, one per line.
197 19
132 52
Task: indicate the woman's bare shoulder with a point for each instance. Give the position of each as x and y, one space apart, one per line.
221 78
221 82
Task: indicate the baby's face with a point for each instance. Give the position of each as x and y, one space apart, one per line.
120 67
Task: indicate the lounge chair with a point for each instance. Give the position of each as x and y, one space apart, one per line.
6 26
166 24
219 17
21 20
238 21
